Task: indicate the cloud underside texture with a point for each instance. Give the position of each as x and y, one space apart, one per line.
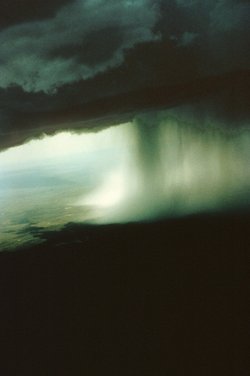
84 38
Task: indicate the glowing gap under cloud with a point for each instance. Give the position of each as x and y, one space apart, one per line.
156 166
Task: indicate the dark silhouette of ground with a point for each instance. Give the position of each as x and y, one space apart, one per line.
163 298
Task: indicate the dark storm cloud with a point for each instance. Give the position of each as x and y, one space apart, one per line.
16 11
219 30
106 41
222 99
73 60
30 52
83 38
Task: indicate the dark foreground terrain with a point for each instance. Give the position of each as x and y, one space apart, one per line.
160 299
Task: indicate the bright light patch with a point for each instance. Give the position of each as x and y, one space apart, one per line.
155 166
111 193
60 147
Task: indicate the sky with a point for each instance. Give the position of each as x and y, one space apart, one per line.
61 56
121 110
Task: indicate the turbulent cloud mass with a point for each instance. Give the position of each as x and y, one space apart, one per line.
76 40
83 38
